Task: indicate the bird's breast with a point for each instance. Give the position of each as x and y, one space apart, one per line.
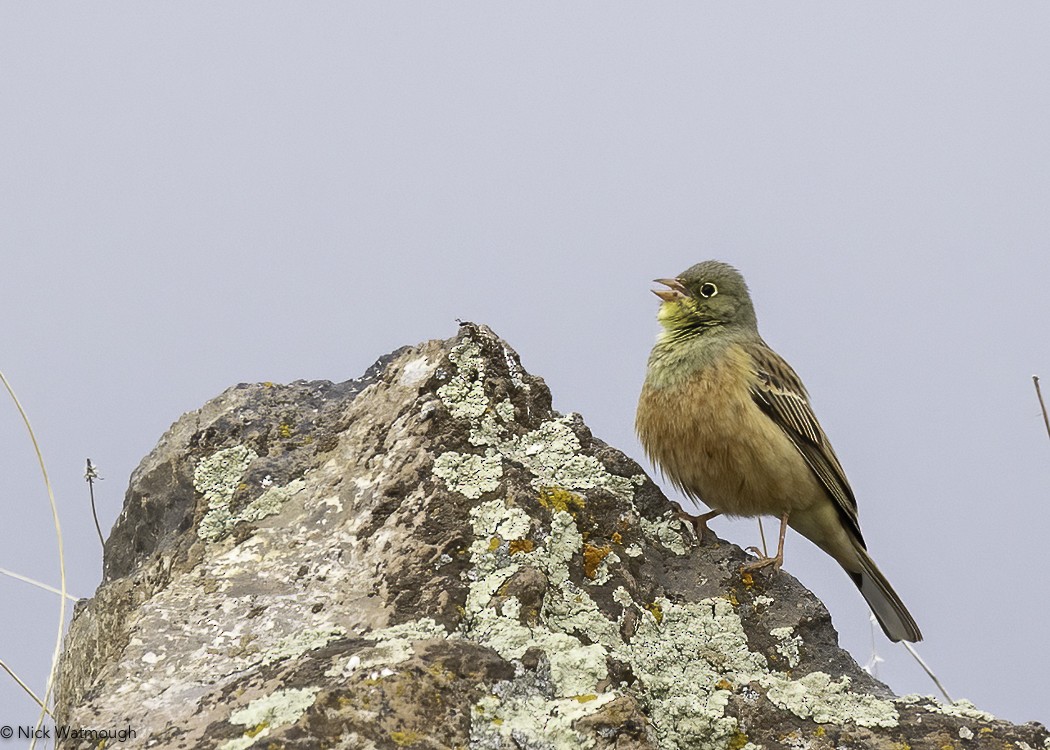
707 434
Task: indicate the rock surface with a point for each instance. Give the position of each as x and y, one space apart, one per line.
430 557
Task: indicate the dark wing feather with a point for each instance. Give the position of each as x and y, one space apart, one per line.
779 392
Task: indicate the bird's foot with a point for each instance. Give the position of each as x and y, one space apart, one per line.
697 523
763 561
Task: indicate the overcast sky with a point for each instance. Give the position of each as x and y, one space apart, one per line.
200 194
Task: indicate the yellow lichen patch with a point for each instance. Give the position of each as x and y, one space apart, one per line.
592 558
284 430
521 545
257 729
657 611
724 684
556 498
404 738
616 538
268 384
737 741
731 598
494 543
438 670
820 731
747 579
586 698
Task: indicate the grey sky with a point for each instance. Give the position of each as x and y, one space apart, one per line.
197 194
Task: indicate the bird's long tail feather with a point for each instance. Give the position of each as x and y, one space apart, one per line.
887 607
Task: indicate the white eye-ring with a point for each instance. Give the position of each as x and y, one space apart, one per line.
707 289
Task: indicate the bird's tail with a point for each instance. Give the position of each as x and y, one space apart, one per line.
887 607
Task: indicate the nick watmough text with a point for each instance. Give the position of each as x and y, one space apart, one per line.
62 732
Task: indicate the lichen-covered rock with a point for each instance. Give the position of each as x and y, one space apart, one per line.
430 557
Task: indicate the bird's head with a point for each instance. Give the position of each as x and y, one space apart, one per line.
708 295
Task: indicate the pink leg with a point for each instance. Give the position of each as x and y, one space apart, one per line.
763 561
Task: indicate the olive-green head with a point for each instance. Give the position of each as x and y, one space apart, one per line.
709 295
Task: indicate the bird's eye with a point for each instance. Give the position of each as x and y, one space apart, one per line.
708 289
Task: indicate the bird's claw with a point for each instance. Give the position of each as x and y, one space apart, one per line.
763 561
697 523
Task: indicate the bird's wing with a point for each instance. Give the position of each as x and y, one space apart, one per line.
779 392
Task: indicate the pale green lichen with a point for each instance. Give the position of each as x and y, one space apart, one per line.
524 719
217 478
961 708
278 709
505 410
468 474
465 398
829 701
494 518
299 643
464 394
393 645
575 667
511 607
678 662
682 659
622 597
788 644
666 532
551 452
425 628
270 502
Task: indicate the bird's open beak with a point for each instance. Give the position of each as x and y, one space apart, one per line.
674 291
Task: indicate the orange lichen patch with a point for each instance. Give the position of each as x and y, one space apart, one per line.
556 498
521 545
724 684
592 558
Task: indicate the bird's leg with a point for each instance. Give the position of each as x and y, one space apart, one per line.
764 561
698 523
